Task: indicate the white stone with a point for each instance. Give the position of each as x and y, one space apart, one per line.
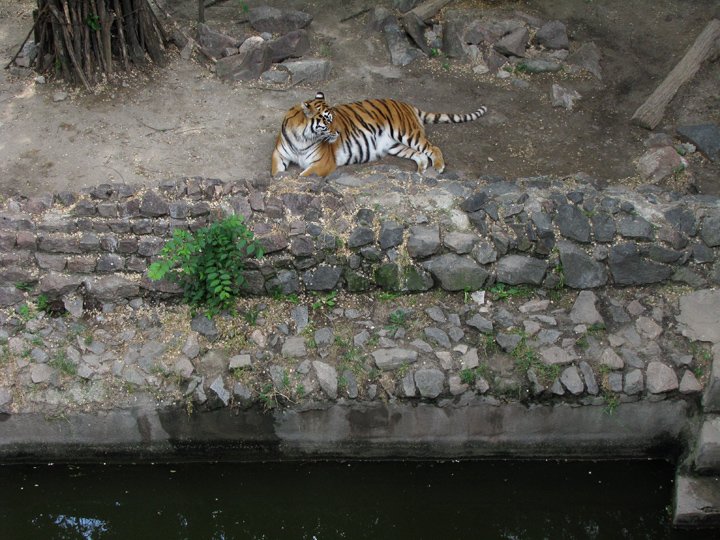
661 378
611 359
689 383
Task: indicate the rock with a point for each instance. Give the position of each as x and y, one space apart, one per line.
587 57
456 273
360 236
292 45
484 253
389 359
481 323
584 311
55 285
218 387
415 28
59 96
706 137
276 21
438 336
615 381
710 230
689 383
660 378
508 342
699 318
456 385
6 400
563 97
514 43
660 163
579 269
322 278
240 361
633 382
327 377
589 377
460 243
110 288
215 42
517 269
276 76
294 347
423 241
183 367
242 392
391 234
204 326
9 296
310 70
556 355
379 17
610 359
401 51
301 317
43 373
245 67
648 328
570 377
191 349
552 35
429 382
572 223
629 268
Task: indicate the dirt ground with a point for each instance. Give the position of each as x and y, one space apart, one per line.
180 120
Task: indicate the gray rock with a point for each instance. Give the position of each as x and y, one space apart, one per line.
710 230
659 163
9 296
631 226
456 385
548 336
610 359
401 51
292 45
661 378
240 361
182 366
629 268
481 323
308 70
706 137
322 278
55 285
391 234
327 377
294 347
408 384
570 377
508 342
699 317
633 382
204 326
324 337
215 42
415 28
556 355
389 359
350 383
588 58
603 227
484 253
580 270
152 205
6 400
689 383
436 314
300 317
423 241
564 97
111 288
539 65
429 382
276 76
242 392
552 35
110 262
218 388
438 336
277 21
360 236
584 310
589 377
244 67
514 43
460 243
379 17
192 346
133 375
517 269
456 273
572 223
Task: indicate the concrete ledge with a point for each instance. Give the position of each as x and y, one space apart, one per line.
707 450
359 431
697 502
711 398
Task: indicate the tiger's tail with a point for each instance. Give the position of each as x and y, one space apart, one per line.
443 118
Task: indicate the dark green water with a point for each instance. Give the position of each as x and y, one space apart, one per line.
415 500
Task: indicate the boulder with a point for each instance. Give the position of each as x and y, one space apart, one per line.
514 43
517 269
552 35
292 45
215 42
244 67
277 21
309 70
457 273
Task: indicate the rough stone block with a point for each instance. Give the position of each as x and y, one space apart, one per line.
697 501
707 449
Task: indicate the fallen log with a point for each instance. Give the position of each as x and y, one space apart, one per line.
650 113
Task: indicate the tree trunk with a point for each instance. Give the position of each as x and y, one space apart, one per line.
84 41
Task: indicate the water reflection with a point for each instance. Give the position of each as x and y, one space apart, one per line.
328 501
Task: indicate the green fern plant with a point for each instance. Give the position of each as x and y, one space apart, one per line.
209 263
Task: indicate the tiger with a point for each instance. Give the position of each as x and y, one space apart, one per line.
319 138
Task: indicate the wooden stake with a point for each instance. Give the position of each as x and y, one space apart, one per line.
650 113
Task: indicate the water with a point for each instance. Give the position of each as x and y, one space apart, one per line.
414 500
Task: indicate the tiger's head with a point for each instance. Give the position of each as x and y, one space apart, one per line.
319 116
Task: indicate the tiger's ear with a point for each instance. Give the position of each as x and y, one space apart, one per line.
319 95
307 110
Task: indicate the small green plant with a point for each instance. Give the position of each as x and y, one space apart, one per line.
597 329
93 22
63 364
468 376
327 301
209 263
386 296
37 341
24 286
42 303
559 271
251 315
25 312
612 401
526 358
582 343
268 396
398 319
300 390
502 291
435 52
403 369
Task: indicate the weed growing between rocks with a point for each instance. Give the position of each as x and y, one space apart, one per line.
209 263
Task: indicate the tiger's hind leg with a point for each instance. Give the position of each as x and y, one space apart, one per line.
400 150
423 145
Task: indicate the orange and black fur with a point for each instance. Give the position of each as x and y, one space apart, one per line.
320 138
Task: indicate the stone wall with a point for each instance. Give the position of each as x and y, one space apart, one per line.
320 236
